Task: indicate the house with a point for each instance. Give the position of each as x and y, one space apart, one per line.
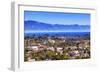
76 53
42 47
51 41
30 59
33 48
59 49
51 48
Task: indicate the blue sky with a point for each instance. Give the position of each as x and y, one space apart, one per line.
58 17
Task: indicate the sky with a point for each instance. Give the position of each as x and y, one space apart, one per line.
58 17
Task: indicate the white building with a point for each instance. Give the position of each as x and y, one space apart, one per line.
33 48
51 48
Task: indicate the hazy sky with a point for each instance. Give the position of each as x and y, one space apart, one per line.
58 17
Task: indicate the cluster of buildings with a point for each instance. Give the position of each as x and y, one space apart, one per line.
79 49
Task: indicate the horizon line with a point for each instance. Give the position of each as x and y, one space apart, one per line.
57 23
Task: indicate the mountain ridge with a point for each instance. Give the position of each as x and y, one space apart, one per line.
36 25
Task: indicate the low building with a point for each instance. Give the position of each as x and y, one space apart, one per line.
33 48
51 48
59 49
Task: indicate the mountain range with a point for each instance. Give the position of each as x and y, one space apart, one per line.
41 26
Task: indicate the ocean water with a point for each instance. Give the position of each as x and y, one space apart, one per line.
64 34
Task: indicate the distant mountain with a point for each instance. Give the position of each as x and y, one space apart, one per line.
40 26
